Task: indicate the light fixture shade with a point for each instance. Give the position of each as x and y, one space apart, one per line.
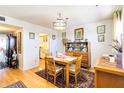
60 24
59 28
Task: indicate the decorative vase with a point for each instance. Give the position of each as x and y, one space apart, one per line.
119 60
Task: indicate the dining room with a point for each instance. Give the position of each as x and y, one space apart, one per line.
76 40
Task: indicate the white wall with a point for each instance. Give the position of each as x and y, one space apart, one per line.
90 32
30 47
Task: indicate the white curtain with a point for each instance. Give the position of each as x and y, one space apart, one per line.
3 48
2 56
118 25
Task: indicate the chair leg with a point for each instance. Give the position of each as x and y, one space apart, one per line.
80 75
75 80
47 76
54 79
64 74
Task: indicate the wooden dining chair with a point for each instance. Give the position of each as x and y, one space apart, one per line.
46 55
74 69
53 69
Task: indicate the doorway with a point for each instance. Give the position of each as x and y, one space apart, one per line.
8 45
44 44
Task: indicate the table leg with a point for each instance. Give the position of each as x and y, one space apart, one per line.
45 66
67 75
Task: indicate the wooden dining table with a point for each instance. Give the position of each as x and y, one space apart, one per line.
66 60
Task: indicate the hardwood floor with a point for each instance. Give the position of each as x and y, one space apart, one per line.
29 78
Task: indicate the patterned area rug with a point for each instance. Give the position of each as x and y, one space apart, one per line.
85 81
18 84
2 65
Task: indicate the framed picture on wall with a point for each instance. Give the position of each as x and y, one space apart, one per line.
53 37
101 38
79 34
101 29
31 35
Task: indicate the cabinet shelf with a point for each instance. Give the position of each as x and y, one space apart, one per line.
80 48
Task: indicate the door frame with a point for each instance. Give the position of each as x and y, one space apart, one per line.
48 41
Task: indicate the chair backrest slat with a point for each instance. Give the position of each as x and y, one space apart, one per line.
50 66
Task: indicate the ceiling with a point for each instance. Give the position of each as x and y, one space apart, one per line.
45 15
5 28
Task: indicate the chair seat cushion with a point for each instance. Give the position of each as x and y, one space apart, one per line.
58 68
72 68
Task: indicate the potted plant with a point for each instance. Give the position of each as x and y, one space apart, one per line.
118 47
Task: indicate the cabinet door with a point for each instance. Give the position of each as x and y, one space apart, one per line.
85 57
77 54
84 62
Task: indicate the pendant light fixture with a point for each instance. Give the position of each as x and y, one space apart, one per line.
60 23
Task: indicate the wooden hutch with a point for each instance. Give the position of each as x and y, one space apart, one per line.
80 48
